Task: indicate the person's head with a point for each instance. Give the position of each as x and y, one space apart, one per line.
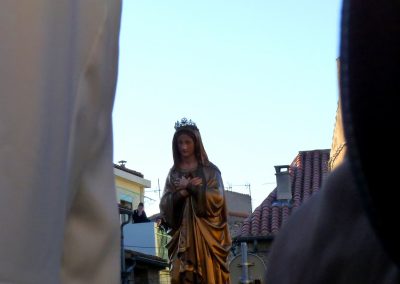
187 141
140 206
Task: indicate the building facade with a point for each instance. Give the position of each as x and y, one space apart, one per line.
338 148
239 208
143 256
130 186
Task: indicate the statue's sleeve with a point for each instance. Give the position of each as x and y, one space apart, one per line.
209 198
211 212
171 204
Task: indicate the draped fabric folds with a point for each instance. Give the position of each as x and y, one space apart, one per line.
200 240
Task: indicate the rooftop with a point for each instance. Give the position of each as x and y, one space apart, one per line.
307 171
125 169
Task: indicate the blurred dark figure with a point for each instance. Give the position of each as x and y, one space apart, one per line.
139 215
348 232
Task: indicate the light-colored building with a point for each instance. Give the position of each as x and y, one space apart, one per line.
239 208
130 186
146 260
338 149
144 246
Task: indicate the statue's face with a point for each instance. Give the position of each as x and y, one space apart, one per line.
185 146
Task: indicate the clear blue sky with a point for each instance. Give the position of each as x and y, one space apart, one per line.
258 77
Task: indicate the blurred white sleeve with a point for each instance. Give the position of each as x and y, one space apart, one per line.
58 214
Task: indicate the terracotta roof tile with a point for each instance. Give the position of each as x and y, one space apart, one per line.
307 172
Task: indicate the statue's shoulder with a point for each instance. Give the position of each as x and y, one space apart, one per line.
213 167
172 170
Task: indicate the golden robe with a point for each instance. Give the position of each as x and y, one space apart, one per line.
200 241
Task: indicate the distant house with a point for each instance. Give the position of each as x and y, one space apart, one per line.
296 183
129 186
142 261
146 259
239 208
147 268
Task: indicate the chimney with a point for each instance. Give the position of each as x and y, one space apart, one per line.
284 192
122 163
